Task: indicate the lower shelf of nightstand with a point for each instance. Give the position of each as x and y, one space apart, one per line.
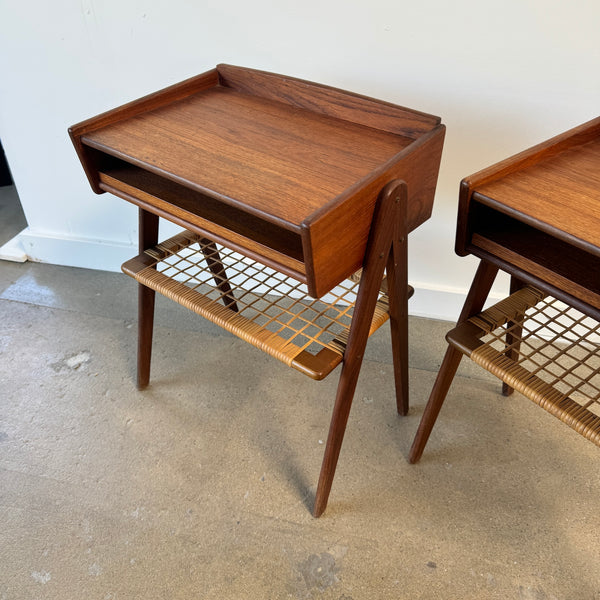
255 302
545 350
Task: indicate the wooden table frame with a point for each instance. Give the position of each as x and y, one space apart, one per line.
312 181
386 252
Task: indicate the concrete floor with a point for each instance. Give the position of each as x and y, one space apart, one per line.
200 486
12 219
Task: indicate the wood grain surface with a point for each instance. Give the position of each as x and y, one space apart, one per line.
562 192
537 216
278 161
532 164
291 165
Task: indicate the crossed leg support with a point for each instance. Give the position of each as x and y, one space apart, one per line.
386 251
213 260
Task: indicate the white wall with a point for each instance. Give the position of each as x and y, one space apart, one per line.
502 75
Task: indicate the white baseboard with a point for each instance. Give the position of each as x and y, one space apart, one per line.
429 301
439 302
74 252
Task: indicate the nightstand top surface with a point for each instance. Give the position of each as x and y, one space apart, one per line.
277 159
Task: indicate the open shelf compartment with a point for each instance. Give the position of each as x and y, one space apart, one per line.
545 350
519 244
255 302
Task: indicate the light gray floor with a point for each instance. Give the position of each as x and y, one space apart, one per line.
200 486
12 219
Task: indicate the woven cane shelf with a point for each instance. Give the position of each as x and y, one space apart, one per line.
545 350
254 302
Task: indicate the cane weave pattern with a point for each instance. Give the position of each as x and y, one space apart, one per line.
255 302
544 349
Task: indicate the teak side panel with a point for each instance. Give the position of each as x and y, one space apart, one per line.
328 100
335 241
583 134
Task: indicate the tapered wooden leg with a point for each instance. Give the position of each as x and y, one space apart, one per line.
337 428
215 264
436 399
480 288
397 277
513 335
386 215
148 237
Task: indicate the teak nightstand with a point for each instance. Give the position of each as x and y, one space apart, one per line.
295 197
536 216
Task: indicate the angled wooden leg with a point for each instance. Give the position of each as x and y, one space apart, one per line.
480 288
387 211
215 264
397 277
436 399
513 334
148 237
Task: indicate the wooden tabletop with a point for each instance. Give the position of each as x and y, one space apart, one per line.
561 193
270 157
